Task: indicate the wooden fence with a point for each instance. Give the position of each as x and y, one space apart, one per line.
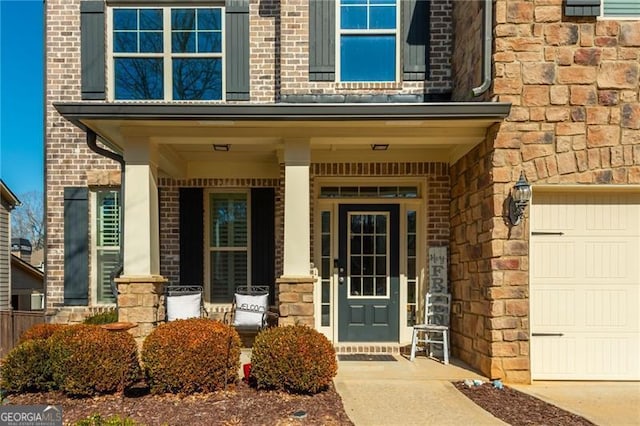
13 324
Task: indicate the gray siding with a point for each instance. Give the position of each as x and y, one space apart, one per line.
5 258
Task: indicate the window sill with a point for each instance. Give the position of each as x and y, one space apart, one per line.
359 85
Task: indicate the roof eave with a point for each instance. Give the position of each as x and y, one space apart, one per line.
8 195
77 112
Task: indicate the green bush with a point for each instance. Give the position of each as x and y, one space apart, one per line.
294 358
27 368
106 317
41 331
88 360
194 355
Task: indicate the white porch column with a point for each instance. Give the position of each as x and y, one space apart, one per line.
297 245
141 229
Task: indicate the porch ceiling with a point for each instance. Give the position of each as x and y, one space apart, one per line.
185 134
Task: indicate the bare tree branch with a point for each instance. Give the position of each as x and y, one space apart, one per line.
27 220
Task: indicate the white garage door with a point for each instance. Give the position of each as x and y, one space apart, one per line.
585 286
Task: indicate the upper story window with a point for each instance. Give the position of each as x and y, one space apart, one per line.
368 34
168 53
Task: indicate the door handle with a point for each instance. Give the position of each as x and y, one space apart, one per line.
546 233
341 280
547 334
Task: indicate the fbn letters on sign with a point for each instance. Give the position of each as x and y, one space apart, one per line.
438 269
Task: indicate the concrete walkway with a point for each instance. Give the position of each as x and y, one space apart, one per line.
421 393
604 403
407 393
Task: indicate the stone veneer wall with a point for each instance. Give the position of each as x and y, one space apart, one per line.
466 60
573 84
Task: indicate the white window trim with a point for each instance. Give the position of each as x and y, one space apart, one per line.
166 55
419 205
604 17
207 241
93 250
340 32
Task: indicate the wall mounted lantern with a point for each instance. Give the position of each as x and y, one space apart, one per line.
519 199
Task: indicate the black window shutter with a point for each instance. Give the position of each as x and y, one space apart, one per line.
582 8
191 236
263 238
322 40
76 246
415 32
92 50
237 47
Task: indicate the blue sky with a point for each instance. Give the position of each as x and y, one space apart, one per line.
21 94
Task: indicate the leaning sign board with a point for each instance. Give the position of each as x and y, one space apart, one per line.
438 270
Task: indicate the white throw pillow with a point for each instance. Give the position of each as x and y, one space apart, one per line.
183 306
250 310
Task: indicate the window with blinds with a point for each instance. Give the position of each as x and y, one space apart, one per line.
107 242
228 244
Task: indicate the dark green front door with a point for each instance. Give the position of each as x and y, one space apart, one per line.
368 278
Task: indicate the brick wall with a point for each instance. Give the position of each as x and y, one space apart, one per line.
68 160
573 84
170 215
279 64
437 222
280 54
437 197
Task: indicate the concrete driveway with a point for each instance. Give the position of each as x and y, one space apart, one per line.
604 403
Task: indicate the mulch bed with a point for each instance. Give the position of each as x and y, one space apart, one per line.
517 408
242 405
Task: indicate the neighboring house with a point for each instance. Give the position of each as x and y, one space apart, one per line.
27 286
8 202
27 279
258 142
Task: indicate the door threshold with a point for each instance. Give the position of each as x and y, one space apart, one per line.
368 348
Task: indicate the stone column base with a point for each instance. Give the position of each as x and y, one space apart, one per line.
140 302
295 298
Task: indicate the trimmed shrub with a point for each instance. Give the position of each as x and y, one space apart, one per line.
27 368
294 358
106 317
41 331
88 360
194 355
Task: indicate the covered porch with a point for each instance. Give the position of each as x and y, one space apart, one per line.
296 167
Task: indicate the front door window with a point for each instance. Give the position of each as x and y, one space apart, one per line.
368 250
369 279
